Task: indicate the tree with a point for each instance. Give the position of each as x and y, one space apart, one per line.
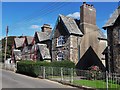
9 47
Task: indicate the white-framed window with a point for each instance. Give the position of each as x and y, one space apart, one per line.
60 41
60 56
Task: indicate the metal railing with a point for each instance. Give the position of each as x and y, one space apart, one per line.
77 77
81 77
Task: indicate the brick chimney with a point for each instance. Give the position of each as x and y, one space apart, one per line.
87 14
46 28
87 17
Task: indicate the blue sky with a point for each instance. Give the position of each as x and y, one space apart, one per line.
27 17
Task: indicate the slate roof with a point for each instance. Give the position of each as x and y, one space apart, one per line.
71 25
113 18
43 36
33 48
29 39
44 51
18 54
101 35
25 50
19 41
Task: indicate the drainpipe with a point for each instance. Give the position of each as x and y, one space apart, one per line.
78 44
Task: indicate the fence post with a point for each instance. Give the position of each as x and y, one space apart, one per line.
52 71
44 72
61 74
71 75
116 80
106 80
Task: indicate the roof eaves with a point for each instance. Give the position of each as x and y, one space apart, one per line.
112 19
69 31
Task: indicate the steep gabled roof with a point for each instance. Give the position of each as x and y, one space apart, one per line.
29 39
90 58
19 41
43 36
44 51
71 25
113 18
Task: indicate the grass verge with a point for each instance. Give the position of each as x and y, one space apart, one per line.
95 83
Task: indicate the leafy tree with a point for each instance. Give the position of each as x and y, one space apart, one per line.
9 47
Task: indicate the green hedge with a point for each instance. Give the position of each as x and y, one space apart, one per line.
64 63
33 68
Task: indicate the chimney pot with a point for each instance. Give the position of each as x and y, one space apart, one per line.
91 5
84 2
46 28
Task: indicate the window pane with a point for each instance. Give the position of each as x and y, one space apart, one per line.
60 56
61 40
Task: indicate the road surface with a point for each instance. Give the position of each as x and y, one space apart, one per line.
14 80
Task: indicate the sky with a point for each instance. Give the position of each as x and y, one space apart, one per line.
24 18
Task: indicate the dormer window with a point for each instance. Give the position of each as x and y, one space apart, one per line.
60 56
60 41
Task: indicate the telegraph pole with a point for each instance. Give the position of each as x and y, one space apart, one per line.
6 44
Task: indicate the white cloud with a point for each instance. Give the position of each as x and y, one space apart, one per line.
35 26
75 15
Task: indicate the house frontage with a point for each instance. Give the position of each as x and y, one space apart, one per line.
80 41
113 35
28 47
37 48
72 39
43 43
17 48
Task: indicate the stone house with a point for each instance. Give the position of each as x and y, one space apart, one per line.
33 48
43 43
65 39
113 35
17 48
28 50
72 39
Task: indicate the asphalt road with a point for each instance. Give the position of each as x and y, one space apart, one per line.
13 80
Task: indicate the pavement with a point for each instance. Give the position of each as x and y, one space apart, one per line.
14 80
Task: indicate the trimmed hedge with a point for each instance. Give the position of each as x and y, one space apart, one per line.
64 63
32 68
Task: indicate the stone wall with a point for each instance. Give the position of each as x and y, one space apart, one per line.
102 46
65 49
116 49
113 43
75 48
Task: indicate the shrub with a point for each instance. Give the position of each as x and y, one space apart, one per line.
34 68
64 63
95 72
28 68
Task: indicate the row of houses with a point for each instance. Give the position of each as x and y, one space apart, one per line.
80 41
33 48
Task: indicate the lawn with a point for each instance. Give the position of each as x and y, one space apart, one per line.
95 83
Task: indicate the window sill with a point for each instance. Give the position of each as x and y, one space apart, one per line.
59 46
118 43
